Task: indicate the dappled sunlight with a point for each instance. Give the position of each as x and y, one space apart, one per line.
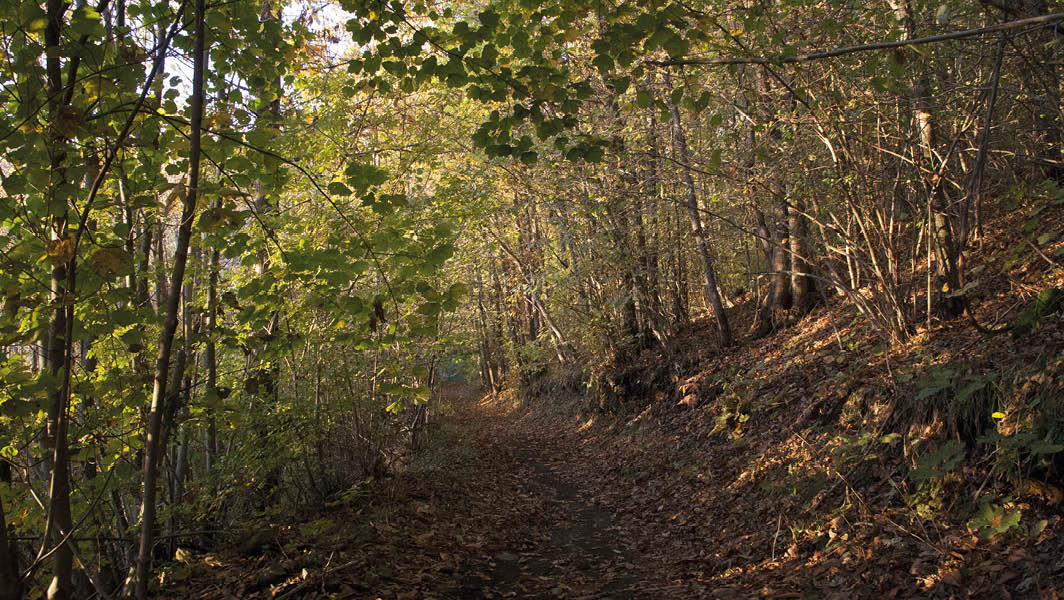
548 300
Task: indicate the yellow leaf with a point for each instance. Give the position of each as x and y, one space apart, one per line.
108 262
232 193
60 251
998 415
177 194
92 90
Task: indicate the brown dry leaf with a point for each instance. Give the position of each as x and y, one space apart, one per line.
951 577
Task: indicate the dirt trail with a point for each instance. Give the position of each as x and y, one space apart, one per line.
499 505
567 544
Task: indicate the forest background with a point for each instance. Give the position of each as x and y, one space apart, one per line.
243 242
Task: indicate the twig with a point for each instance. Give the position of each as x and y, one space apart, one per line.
1042 254
776 537
325 571
306 581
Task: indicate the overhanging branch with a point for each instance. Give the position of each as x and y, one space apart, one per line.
822 54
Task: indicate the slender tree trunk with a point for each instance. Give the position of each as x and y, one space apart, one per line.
801 282
781 275
712 293
1042 82
651 206
141 295
57 346
629 318
944 226
210 357
498 316
489 372
680 289
561 346
181 399
10 583
166 338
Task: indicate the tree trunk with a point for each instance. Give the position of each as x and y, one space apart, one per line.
210 356
680 290
561 346
944 226
498 318
651 276
10 583
712 293
801 283
57 346
1042 83
488 359
166 338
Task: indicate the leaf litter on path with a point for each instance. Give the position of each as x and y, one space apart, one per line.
543 506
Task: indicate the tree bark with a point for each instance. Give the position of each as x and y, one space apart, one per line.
944 226
801 282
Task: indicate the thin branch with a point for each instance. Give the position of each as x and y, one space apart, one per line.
822 54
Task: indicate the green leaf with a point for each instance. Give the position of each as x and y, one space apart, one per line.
429 308
489 18
714 160
1044 447
604 63
440 254
339 189
594 154
677 47
361 177
86 22
942 15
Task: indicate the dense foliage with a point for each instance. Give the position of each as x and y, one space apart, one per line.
240 240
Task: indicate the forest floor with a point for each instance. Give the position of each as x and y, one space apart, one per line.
501 505
512 503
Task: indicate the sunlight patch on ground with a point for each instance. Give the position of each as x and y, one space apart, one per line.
640 416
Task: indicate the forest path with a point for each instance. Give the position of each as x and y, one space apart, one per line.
565 542
500 504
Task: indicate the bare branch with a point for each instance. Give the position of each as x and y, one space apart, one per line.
822 54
